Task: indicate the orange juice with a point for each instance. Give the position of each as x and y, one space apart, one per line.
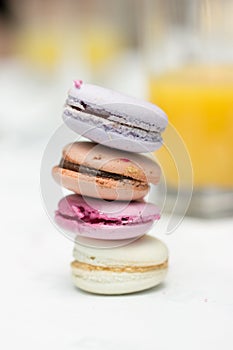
199 103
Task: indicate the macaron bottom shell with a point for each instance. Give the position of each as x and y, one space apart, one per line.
111 136
116 283
95 187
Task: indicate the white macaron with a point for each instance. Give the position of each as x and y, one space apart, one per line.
131 268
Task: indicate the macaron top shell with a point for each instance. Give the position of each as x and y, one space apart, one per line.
132 111
145 251
92 155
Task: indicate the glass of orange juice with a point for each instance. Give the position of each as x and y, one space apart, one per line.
189 67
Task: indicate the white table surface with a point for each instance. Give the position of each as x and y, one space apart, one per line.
40 308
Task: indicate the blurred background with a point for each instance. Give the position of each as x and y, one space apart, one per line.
177 54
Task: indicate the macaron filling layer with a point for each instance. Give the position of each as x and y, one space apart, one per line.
104 113
100 117
65 164
129 269
93 217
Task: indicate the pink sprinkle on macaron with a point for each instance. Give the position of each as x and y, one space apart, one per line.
78 83
124 159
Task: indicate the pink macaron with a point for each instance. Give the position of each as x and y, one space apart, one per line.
99 219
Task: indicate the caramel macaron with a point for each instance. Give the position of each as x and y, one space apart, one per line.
93 170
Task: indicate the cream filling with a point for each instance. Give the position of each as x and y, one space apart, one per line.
129 269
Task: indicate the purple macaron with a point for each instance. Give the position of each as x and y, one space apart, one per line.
98 219
114 119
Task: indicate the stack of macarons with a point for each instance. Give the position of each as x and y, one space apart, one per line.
107 216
